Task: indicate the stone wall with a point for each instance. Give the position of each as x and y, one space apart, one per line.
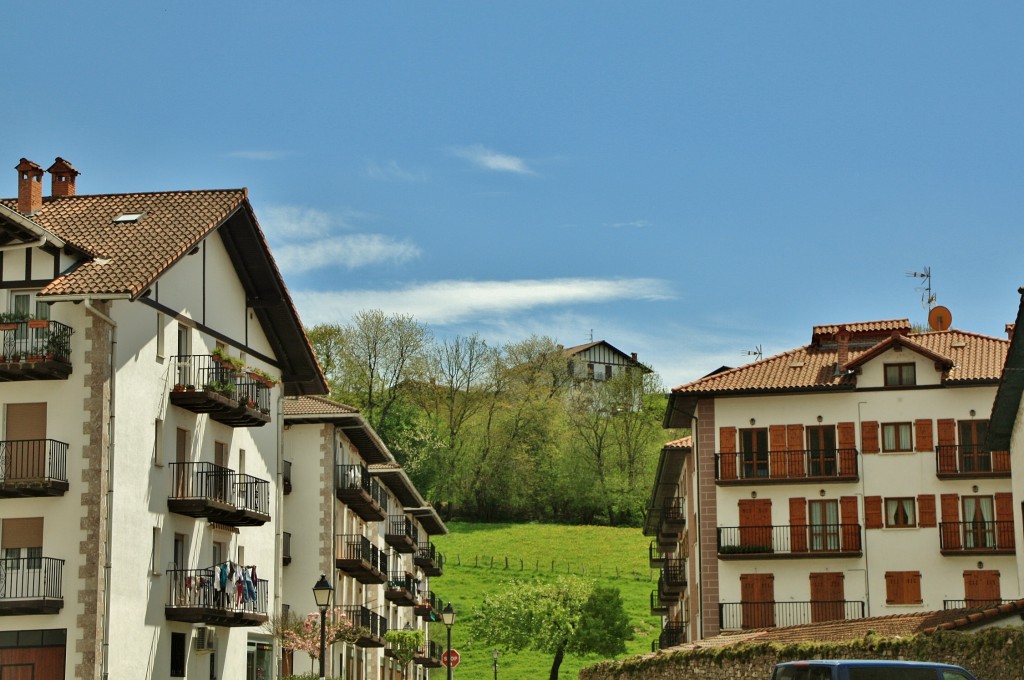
993 654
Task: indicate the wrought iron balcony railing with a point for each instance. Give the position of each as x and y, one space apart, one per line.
992 538
402 534
219 493
361 492
203 384
31 585
374 626
836 465
671 635
33 467
794 540
212 595
970 461
738 615
37 349
429 559
979 603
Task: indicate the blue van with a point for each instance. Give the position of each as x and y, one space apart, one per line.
868 670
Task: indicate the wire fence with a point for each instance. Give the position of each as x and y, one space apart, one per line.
519 564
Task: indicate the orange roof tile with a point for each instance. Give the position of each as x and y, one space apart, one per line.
975 358
682 443
314 405
863 327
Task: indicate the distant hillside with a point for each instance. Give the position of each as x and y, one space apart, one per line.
480 557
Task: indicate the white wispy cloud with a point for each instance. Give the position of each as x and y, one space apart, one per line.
481 156
448 302
257 155
391 171
635 224
305 240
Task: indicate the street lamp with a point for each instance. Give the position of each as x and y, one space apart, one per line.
322 594
448 616
495 655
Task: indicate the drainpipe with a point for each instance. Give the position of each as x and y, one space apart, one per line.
863 492
105 660
279 520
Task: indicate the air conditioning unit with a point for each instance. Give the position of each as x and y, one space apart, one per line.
206 640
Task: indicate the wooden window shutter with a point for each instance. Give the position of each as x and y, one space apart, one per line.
981 587
727 453
1004 520
847 436
903 587
893 587
795 442
913 587
926 511
850 530
873 512
869 436
923 430
22 532
798 525
947 431
795 437
777 447
949 531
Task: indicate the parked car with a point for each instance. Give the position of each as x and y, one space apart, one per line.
868 670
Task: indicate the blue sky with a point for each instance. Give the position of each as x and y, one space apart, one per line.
684 180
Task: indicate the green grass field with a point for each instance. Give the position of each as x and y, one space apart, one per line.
475 564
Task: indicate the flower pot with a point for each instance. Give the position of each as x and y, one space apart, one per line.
38 323
8 326
34 358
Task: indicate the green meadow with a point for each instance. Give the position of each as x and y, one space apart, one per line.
481 558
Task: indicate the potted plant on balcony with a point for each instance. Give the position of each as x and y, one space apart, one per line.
9 320
57 346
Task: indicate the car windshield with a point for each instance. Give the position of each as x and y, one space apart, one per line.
891 673
803 673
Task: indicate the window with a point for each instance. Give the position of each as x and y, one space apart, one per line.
754 450
979 527
821 450
178 655
903 587
823 525
180 553
154 553
900 374
900 512
607 372
974 456
160 323
158 442
22 542
897 437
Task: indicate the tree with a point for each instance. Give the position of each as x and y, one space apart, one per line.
303 634
405 644
569 615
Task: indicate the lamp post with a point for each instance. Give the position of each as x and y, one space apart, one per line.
322 594
495 655
448 616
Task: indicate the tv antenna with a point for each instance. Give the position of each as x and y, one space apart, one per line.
927 296
756 352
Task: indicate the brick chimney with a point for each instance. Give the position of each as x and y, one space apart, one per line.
1009 331
30 186
842 349
62 178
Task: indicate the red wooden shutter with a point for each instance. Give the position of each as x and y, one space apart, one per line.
846 442
795 458
850 534
946 449
1004 521
757 592
798 525
827 596
947 431
873 512
981 587
869 436
727 453
923 428
777 448
903 587
926 510
950 528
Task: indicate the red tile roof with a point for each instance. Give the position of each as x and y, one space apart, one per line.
901 325
972 358
682 443
313 405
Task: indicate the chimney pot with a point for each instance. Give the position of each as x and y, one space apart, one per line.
30 186
62 178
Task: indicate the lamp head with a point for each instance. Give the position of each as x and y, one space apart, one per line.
322 592
448 614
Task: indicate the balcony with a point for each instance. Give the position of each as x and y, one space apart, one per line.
746 615
33 467
969 461
428 606
218 494
286 478
974 604
374 626
361 493
655 556
228 395
402 589
672 635
789 541
673 515
402 534
31 585
286 548
976 538
38 349
360 559
657 605
430 655
429 560
786 467
674 575
196 596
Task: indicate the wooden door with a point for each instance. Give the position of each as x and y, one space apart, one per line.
757 594
756 523
981 587
25 442
827 596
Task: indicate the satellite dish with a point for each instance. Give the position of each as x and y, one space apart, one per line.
939 318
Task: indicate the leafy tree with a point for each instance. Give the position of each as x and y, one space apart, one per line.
569 615
303 634
405 644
